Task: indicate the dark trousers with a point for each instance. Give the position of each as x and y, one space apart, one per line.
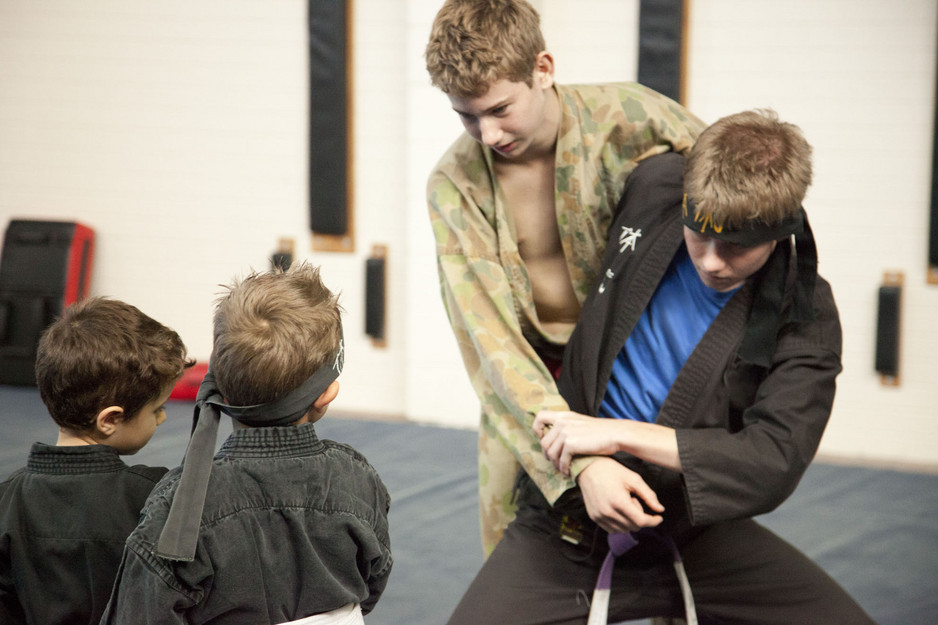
739 572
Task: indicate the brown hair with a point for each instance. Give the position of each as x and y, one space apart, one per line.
273 330
749 166
103 352
474 43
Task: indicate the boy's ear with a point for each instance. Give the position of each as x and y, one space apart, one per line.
318 409
108 419
327 396
544 70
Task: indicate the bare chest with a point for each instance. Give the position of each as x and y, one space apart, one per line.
530 203
528 191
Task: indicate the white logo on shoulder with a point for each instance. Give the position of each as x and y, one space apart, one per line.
602 285
627 238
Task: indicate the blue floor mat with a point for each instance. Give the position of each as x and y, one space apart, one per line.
874 531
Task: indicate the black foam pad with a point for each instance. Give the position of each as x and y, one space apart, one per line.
328 117
374 297
659 46
887 331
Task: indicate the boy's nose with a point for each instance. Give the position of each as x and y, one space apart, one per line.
491 131
712 262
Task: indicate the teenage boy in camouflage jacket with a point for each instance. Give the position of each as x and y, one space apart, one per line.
520 205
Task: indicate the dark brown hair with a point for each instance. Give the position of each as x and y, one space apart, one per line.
103 352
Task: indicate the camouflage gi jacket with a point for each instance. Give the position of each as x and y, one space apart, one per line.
605 131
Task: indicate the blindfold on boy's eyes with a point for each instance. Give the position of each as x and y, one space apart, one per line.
179 537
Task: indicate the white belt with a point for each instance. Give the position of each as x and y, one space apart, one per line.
618 545
346 615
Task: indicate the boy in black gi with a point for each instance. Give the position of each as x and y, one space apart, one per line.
709 350
282 525
104 371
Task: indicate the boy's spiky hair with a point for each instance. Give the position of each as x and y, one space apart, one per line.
273 330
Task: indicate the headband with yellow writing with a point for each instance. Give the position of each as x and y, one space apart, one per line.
752 233
759 341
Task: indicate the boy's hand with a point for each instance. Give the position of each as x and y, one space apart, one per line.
567 434
613 495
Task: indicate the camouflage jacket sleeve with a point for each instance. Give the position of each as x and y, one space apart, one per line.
508 376
605 131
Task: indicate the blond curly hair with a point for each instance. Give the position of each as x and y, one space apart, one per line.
475 43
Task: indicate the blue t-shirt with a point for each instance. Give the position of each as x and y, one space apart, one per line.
669 329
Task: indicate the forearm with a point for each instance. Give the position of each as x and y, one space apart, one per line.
572 440
653 443
509 378
484 311
516 434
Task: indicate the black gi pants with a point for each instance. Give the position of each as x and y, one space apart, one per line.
739 572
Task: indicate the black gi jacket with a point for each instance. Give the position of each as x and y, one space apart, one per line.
293 526
745 433
63 522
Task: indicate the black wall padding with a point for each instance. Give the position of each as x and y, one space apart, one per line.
281 260
887 331
659 46
374 298
933 229
328 145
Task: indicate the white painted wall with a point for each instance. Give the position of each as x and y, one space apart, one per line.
177 130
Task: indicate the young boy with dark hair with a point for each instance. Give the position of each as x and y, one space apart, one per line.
281 525
520 205
702 372
104 371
